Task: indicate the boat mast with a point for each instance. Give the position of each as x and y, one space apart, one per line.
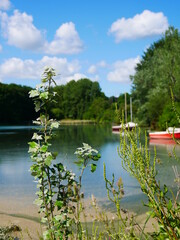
125 109
131 107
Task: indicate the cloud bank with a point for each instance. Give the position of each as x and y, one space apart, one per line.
141 25
17 68
20 32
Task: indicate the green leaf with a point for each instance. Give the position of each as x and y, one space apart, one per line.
44 148
80 162
59 204
55 125
33 147
93 167
165 189
37 137
161 194
169 205
33 144
96 157
33 93
54 154
44 95
48 160
37 122
38 202
37 106
58 217
44 219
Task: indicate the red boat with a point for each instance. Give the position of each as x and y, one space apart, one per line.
170 133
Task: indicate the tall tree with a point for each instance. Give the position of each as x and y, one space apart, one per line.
158 71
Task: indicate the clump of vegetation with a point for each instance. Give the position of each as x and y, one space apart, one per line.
157 71
55 182
6 233
137 161
60 197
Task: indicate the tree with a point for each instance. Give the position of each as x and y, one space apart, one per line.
15 105
75 98
157 72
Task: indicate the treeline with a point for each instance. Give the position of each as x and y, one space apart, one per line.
15 105
81 99
156 74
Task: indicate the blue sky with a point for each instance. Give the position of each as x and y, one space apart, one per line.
101 40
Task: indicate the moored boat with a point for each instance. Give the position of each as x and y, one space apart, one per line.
170 133
128 126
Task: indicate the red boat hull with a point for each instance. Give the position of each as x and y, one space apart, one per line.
164 135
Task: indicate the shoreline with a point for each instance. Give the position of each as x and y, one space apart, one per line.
27 218
76 122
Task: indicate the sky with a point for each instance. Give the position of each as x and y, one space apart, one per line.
101 40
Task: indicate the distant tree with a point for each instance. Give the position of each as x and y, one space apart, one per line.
100 110
15 105
75 98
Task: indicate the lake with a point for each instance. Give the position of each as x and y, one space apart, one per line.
18 186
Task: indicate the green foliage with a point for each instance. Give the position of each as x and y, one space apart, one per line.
75 98
55 183
168 118
72 100
13 97
85 155
137 161
100 110
155 74
59 195
124 228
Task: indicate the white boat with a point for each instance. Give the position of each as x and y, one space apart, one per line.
128 126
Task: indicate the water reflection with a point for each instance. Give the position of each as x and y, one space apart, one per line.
16 181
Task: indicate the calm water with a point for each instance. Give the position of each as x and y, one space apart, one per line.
17 183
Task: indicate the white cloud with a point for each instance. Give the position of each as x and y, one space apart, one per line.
141 25
92 69
66 40
5 4
102 64
95 67
20 32
95 78
122 70
0 47
17 68
75 77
